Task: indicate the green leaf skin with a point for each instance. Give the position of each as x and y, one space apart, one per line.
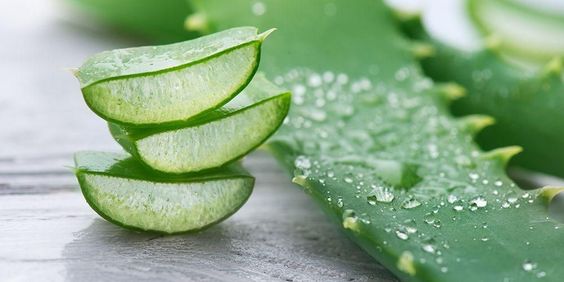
214 139
159 21
125 193
525 103
365 125
523 32
167 84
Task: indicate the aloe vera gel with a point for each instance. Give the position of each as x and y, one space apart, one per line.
186 112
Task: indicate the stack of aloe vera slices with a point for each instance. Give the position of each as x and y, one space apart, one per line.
185 112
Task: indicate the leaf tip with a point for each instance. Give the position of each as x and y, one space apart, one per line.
405 263
350 221
553 67
547 193
73 169
452 91
197 22
492 42
475 123
73 71
503 155
265 34
300 180
422 50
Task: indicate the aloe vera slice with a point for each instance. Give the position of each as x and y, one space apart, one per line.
219 137
124 192
157 85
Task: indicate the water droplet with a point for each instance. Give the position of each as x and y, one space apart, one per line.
348 180
444 269
541 274
402 235
498 183
529 265
259 8
474 176
314 80
328 77
410 203
380 194
429 248
317 115
302 162
342 78
505 205
452 198
478 202
511 200
410 226
484 239
340 202
458 208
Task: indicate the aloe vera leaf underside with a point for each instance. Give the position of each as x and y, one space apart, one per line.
526 103
371 140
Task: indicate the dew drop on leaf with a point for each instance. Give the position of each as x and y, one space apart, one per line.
478 202
410 203
380 194
402 235
529 265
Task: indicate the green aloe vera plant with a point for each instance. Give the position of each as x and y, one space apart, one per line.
167 84
216 138
511 70
126 193
372 140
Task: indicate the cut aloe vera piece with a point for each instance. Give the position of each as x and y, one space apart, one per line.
223 135
158 85
124 192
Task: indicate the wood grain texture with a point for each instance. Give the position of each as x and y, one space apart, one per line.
48 232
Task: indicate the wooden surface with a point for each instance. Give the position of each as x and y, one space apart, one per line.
48 232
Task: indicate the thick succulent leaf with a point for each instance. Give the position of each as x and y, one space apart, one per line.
168 84
519 29
122 191
526 103
119 63
214 138
372 141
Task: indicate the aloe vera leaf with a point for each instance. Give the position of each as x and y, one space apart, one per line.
159 21
362 116
521 31
219 137
167 84
525 102
125 193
